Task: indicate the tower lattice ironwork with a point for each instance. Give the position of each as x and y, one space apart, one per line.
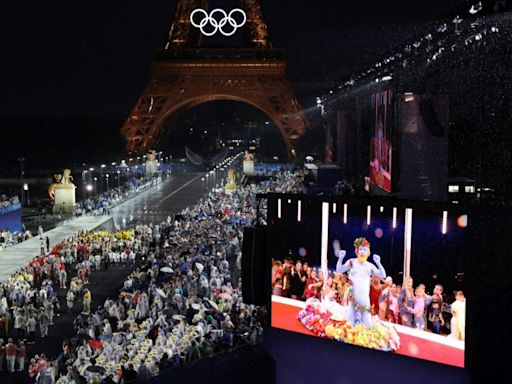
185 74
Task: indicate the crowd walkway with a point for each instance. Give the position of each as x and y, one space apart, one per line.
14 258
18 256
102 285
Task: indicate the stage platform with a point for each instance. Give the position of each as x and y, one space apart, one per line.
413 342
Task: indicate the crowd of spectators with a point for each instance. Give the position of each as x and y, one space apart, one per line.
101 203
181 302
8 238
6 201
406 305
94 205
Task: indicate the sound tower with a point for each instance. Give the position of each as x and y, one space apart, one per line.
255 267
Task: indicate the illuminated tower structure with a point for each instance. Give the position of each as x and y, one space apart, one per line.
185 74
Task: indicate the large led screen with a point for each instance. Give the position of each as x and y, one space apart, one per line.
381 148
382 277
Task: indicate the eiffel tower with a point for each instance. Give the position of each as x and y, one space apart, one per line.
184 74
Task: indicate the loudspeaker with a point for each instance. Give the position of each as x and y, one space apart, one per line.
255 267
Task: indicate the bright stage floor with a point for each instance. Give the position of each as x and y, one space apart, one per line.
413 343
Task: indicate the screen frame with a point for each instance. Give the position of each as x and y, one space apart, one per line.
309 203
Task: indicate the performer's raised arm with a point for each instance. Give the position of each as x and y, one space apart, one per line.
340 254
380 272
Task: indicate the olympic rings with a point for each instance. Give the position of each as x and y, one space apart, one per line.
218 25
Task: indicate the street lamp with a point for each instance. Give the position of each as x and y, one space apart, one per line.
89 188
96 183
130 160
25 188
118 179
84 172
91 170
106 177
102 167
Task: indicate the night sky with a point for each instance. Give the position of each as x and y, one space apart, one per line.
72 71
92 57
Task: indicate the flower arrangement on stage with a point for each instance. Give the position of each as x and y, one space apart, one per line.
323 323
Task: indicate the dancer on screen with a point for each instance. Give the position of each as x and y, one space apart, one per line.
360 272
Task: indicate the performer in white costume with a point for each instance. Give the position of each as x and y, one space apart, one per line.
360 272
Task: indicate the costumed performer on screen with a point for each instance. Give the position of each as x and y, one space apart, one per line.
360 272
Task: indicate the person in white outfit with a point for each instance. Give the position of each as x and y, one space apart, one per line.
124 257
63 277
458 322
97 260
131 257
70 300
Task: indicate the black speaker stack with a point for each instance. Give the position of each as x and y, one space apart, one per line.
255 267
